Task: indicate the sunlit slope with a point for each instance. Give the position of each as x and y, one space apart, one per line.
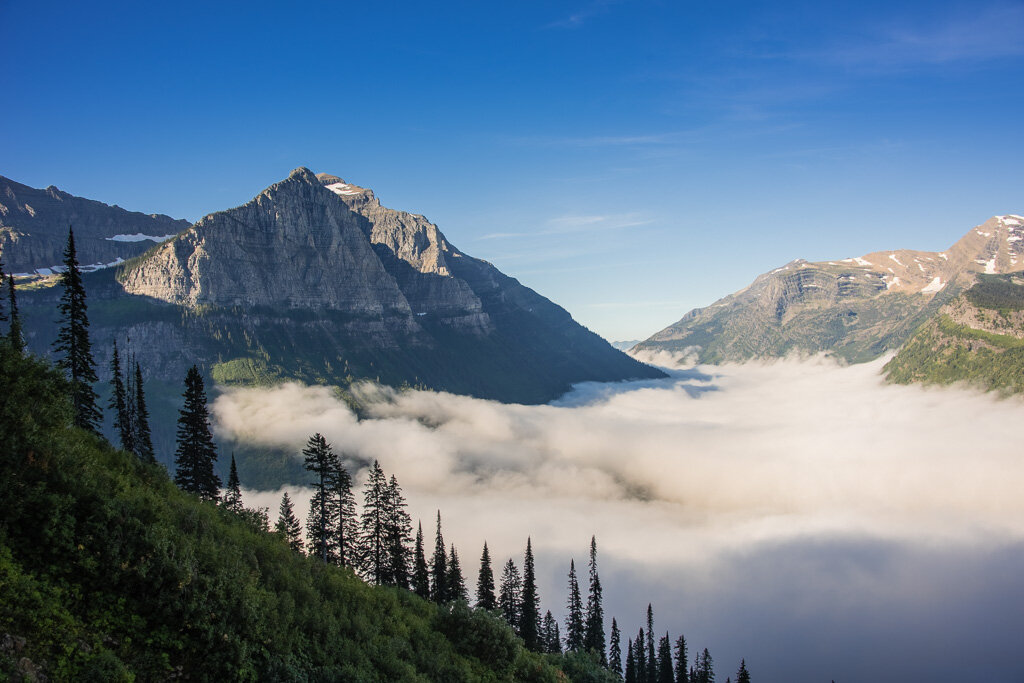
855 309
977 338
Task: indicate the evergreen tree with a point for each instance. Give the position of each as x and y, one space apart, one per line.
233 493
73 346
119 404
652 661
14 334
705 671
593 637
321 530
288 525
574 621
615 650
529 613
552 639
397 535
3 316
439 567
682 661
665 673
455 581
641 657
196 452
743 676
373 527
420 573
485 583
630 673
142 439
510 594
345 523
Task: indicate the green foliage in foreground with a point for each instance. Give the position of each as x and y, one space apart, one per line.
109 572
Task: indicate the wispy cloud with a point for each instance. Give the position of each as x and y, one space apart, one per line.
563 225
989 33
579 17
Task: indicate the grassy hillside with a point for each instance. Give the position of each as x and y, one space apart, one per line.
109 573
978 338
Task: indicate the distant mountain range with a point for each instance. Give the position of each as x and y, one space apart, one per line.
855 309
34 229
313 279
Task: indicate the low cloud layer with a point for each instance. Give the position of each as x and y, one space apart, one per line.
689 480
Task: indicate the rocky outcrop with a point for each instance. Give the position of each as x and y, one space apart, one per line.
854 308
34 229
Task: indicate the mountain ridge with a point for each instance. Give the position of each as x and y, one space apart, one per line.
855 308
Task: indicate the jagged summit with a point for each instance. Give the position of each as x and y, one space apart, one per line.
856 308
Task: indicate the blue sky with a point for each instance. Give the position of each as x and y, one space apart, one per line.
629 160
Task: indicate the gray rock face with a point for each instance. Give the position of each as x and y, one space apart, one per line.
855 308
34 228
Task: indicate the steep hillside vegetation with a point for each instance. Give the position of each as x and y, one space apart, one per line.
976 338
110 573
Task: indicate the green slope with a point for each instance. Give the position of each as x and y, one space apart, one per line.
977 338
108 572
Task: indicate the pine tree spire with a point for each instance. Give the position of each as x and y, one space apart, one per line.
141 436
14 334
420 573
615 650
743 676
665 673
574 628
196 451
652 661
321 530
119 403
510 594
456 582
72 345
397 534
682 661
593 638
233 493
485 582
529 615
288 525
439 567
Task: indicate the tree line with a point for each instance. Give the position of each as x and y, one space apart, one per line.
375 542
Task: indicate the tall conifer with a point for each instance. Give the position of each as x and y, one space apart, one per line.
593 637
615 650
420 573
142 439
682 661
321 531
552 639
439 567
574 627
510 594
288 525
630 673
665 673
233 493
641 657
14 335
345 523
485 598
743 676
397 535
72 344
119 403
652 655
196 452
529 614
373 526
456 582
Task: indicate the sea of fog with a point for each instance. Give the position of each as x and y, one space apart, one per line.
800 514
